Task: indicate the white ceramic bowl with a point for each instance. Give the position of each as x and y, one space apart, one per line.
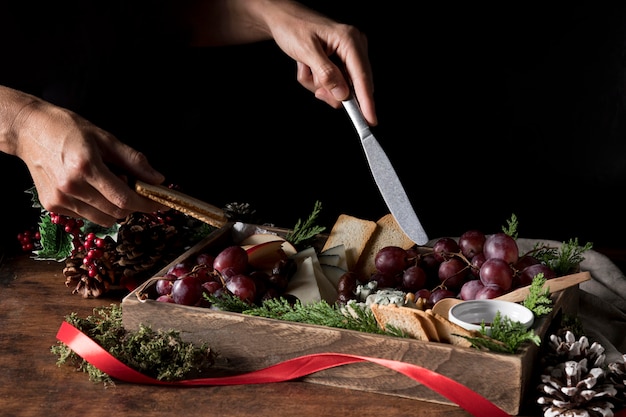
470 314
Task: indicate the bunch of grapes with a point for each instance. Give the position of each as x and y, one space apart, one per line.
227 272
476 266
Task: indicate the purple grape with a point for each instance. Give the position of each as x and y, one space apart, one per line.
391 260
187 290
235 258
471 243
497 272
502 246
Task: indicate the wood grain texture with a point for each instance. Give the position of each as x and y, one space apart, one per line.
33 303
247 343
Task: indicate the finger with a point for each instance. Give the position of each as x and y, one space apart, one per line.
129 160
358 69
73 207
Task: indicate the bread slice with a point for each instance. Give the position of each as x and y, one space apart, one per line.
388 233
411 321
451 332
353 233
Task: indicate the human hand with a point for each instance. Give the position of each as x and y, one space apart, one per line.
72 163
312 40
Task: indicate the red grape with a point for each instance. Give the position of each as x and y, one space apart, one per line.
165 299
471 243
205 259
489 292
391 260
477 261
235 258
180 269
452 273
496 272
444 248
413 278
385 280
164 285
528 273
525 261
439 294
470 288
502 246
187 290
242 286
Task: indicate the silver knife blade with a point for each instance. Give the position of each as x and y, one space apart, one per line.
385 177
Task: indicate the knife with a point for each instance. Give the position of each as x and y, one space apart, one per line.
385 177
182 202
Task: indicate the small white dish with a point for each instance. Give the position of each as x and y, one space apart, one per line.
472 313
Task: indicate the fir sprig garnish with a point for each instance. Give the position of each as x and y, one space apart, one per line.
564 260
507 335
352 317
511 227
538 299
304 232
158 354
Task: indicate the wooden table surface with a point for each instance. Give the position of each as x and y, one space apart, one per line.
34 302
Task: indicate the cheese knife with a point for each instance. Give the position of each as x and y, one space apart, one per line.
182 202
385 176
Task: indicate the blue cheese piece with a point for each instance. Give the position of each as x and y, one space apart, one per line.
385 297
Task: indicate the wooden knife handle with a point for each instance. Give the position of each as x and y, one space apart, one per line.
182 202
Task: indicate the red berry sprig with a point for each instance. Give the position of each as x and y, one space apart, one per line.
73 227
29 240
94 250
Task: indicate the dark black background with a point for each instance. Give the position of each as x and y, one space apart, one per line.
484 111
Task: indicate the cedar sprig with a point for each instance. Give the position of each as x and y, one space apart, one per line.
507 335
538 299
305 231
511 227
359 318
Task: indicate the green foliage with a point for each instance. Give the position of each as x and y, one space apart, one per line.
538 299
56 244
304 232
564 260
352 317
512 225
507 335
158 354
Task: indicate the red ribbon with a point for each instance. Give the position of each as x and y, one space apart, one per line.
290 369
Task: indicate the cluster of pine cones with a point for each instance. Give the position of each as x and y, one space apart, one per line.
145 243
576 381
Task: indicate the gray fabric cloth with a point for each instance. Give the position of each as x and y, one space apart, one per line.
602 303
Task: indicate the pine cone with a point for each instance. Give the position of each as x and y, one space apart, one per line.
574 382
77 275
143 245
571 390
568 348
240 212
617 375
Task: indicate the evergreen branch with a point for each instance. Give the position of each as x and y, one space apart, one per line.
303 232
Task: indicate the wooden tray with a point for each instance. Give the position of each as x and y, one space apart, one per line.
246 343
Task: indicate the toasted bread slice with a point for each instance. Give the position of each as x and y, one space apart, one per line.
353 233
411 321
451 332
388 233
